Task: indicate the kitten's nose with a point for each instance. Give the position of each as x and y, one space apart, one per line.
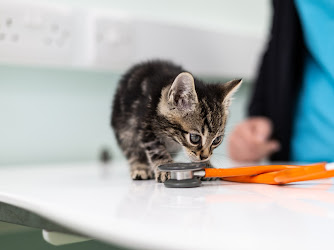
204 154
203 157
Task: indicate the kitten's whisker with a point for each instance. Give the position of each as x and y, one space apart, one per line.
219 163
226 156
231 126
223 155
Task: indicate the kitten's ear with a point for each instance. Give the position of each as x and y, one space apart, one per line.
229 89
182 93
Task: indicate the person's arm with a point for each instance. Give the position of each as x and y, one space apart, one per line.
279 78
251 139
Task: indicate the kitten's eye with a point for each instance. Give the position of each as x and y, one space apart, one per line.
195 139
217 140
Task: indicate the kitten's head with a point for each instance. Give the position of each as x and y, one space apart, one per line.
196 114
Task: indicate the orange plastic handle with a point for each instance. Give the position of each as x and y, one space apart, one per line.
288 177
267 178
242 171
303 173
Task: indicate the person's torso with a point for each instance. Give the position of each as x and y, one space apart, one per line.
313 130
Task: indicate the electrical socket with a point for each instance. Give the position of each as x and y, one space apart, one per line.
36 33
32 32
113 40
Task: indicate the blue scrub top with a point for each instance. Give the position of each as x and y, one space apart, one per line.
313 128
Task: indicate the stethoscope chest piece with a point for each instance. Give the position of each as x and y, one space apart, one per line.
182 174
187 183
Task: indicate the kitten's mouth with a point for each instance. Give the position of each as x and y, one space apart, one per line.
195 159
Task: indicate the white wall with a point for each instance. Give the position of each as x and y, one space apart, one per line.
237 16
56 114
212 38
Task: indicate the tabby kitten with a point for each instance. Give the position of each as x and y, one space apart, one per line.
160 108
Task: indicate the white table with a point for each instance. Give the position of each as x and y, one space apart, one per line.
110 207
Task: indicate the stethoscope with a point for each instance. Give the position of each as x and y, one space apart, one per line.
186 175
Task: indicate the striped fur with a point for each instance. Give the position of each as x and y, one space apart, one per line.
157 106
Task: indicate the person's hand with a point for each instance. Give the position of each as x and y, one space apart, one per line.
250 140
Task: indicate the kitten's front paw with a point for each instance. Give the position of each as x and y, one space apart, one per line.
209 179
161 176
141 174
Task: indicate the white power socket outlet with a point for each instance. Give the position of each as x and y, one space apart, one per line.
32 32
49 34
112 39
39 34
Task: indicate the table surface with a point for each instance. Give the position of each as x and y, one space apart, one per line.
103 203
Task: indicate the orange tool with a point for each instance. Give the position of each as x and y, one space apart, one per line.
287 175
182 174
305 174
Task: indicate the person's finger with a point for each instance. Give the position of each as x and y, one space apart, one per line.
244 151
268 148
245 141
261 128
254 150
235 146
246 131
237 150
249 140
